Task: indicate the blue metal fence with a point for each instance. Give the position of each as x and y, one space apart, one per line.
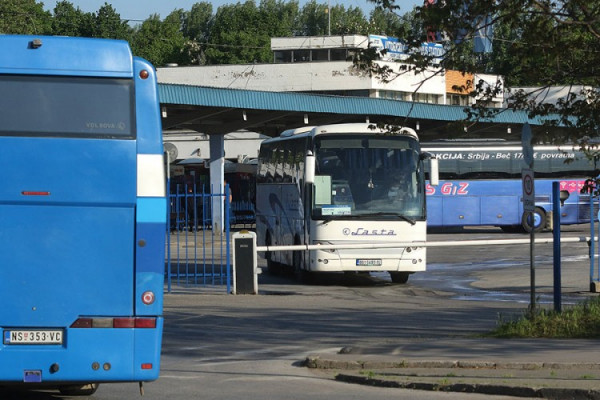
196 254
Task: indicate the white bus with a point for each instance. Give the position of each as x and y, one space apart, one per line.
347 185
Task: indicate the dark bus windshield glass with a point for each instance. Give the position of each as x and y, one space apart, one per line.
66 107
373 176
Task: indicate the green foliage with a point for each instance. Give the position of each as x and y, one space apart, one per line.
108 24
69 21
536 43
385 22
236 37
160 42
198 22
24 17
348 21
314 19
237 33
580 321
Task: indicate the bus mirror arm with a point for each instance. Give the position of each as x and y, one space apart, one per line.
309 168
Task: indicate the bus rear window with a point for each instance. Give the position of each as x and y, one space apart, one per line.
66 107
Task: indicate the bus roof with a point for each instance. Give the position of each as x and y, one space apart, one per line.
56 55
349 128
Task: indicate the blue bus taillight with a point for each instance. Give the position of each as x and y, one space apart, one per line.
119 322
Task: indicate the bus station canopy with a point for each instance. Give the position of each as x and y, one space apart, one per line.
219 111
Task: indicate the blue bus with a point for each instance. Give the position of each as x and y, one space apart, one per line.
480 184
82 214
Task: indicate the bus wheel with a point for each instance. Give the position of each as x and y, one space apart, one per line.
79 390
297 260
399 277
538 223
302 274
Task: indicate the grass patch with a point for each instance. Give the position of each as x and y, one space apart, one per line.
368 374
579 321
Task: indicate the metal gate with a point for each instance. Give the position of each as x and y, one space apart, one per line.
196 254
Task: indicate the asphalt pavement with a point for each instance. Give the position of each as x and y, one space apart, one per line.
532 368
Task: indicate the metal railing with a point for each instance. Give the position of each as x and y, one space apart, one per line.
196 254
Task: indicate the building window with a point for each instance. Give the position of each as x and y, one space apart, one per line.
339 54
458 100
283 56
301 56
320 55
426 98
394 95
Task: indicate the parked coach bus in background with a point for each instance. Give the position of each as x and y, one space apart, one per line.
346 185
480 184
82 214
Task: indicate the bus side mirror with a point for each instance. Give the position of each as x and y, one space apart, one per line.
434 173
309 169
564 195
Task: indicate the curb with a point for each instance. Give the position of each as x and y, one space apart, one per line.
315 362
502 390
401 374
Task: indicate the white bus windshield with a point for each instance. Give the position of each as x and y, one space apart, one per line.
368 177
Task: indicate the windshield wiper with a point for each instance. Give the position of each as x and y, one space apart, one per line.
392 214
341 217
363 216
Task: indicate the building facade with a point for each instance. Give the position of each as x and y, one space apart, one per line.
323 65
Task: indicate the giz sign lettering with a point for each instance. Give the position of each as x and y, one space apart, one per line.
449 189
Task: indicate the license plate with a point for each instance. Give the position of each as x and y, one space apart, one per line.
29 336
373 262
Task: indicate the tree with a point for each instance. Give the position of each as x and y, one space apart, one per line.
198 21
536 43
108 24
24 17
71 21
236 38
279 18
161 42
348 21
385 22
314 20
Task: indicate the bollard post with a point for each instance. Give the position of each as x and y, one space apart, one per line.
245 277
556 236
591 242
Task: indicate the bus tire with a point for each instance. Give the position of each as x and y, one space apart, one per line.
539 222
301 273
297 263
87 389
399 277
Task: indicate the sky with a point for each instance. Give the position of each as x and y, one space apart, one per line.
141 10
